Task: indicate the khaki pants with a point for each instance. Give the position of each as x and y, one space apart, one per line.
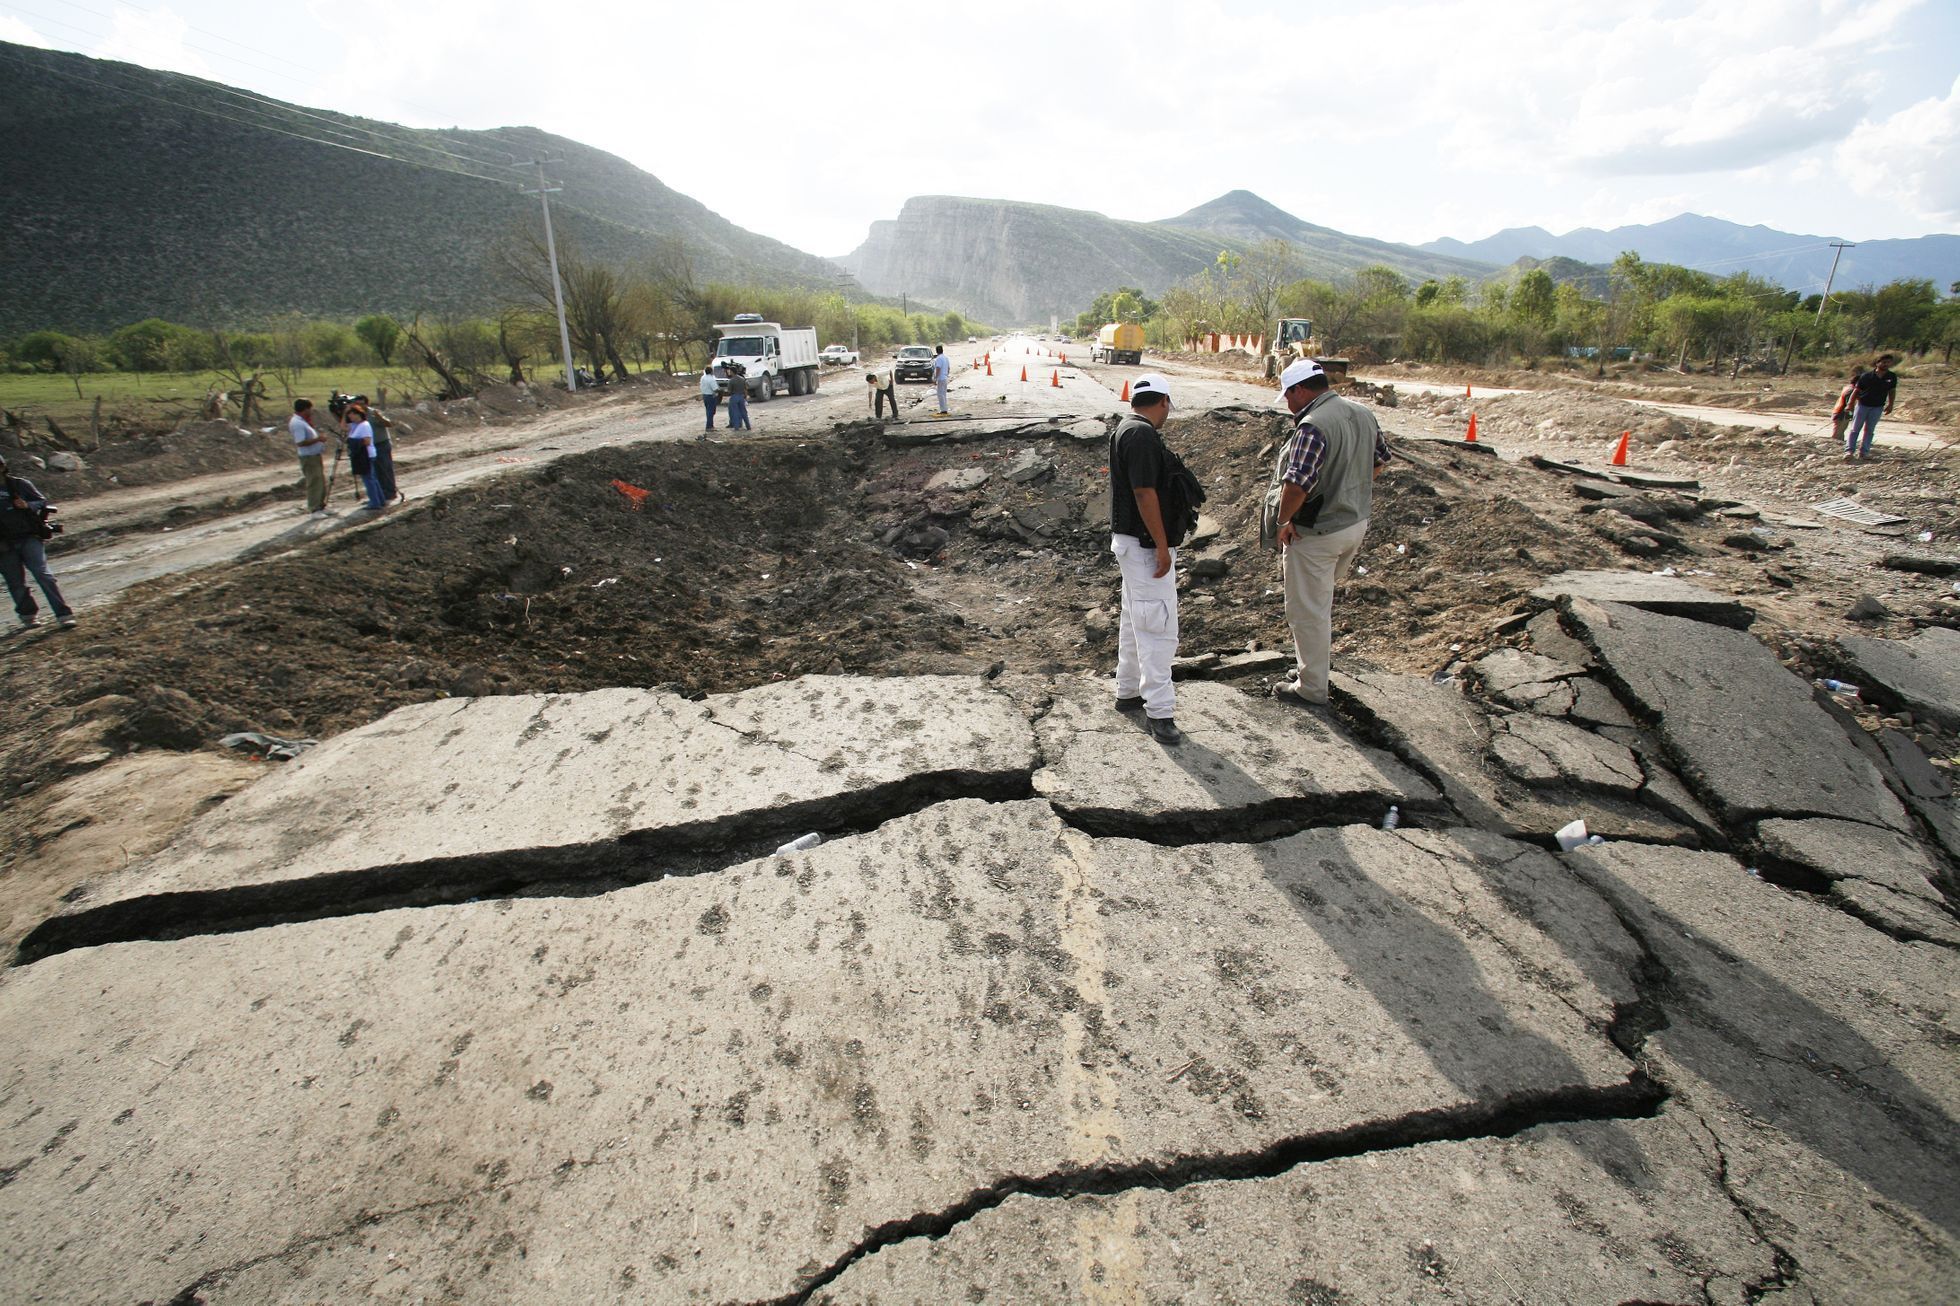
316 481
1310 568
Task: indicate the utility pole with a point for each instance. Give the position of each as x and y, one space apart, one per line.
1840 246
544 192
844 284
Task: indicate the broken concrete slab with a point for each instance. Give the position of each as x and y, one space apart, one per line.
1818 1052
1882 877
1901 915
1848 850
1508 668
452 795
1450 740
1921 674
1594 704
958 480
1664 594
715 1087
1549 640
1247 765
1742 730
1623 1211
1544 753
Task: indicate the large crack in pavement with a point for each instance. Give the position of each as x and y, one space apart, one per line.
571 870
1639 1097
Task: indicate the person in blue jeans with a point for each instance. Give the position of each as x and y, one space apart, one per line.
360 455
1876 390
738 399
710 397
22 553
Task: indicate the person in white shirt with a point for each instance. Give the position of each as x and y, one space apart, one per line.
360 455
710 397
942 372
311 450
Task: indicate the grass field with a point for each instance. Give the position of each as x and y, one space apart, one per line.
161 398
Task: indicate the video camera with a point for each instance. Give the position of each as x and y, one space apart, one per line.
46 529
338 405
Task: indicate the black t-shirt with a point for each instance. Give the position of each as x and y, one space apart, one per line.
1875 389
1136 461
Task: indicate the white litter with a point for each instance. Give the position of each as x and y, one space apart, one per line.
801 843
1571 836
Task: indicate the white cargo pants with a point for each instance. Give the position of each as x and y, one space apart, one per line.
1310 568
1146 637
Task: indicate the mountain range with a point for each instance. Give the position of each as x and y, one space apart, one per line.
1718 247
133 193
1010 262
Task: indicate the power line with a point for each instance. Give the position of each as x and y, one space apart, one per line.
99 83
338 125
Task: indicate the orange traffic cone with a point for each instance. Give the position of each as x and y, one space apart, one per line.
1471 438
1065 358
990 366
1024 372
1126 392
1466 391
1056 380
1620 453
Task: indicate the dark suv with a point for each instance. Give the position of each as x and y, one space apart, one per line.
914 363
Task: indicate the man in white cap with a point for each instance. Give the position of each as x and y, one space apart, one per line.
1146 637
1326 475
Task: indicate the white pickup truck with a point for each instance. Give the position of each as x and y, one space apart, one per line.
773 358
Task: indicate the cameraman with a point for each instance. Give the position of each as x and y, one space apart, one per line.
23 530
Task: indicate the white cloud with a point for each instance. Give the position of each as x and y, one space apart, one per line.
156 38
14 30
1911 157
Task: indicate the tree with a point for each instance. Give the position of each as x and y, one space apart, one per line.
1266 270
75 356
1534 301
380 333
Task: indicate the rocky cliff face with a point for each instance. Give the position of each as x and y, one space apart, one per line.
1006 263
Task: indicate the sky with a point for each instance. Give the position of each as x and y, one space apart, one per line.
1402 122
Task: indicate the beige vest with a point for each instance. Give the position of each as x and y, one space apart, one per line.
1346 485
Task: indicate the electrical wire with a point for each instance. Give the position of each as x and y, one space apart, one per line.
99 84
343 126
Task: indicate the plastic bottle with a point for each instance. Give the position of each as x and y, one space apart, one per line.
1393 819
800 844
1839 687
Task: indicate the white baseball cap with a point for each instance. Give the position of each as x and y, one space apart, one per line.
1150 383
1300 369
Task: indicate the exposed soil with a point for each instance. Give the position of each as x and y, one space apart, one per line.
768 559
132 458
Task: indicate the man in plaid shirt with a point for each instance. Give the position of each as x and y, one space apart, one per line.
1327 472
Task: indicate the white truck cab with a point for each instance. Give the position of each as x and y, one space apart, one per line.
772 357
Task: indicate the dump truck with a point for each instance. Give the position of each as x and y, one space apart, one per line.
1119 342
773 358
1293 338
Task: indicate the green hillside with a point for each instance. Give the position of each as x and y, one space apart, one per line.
132 193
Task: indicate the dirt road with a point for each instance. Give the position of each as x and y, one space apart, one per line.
91 575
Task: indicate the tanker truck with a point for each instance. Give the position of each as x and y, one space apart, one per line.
1119 342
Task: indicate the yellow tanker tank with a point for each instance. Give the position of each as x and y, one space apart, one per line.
1119 342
